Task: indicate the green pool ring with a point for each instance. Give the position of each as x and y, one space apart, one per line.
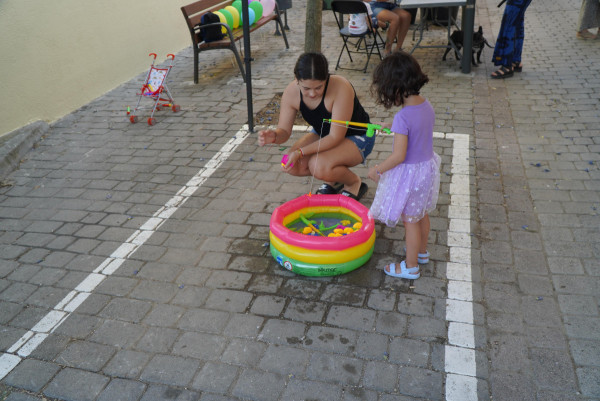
308 269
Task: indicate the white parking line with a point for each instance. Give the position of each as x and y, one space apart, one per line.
34 337
460 364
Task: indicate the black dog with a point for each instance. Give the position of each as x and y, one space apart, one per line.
479 42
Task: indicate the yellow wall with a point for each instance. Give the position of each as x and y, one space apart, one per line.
57 55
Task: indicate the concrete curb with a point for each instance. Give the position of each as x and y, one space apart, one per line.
14 145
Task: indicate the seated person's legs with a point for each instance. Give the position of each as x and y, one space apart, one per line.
388 17
404 19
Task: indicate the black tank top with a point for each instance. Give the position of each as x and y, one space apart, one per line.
315 117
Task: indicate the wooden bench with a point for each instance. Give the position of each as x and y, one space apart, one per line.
193 14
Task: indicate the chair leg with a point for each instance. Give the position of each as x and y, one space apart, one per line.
368 56
345 46
369 50
347 49
379 40
359 43
337 65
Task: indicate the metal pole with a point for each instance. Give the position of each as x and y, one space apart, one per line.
247 61
468 20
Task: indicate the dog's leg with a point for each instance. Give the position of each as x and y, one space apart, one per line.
446 53
458 46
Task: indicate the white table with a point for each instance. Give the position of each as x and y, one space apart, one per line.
430 4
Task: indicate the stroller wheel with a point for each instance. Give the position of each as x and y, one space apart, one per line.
176 108
151 121
133 119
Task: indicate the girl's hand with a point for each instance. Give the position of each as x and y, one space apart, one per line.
266 137
383 125
373 174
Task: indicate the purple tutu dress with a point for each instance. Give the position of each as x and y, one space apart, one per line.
410 190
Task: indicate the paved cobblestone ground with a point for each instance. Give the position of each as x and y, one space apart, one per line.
200 311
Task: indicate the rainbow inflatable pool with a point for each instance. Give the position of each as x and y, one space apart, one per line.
318 254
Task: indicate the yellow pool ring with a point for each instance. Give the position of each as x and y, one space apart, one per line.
320 256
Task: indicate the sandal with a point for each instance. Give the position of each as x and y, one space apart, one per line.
361 192
585 34
422 258
517 67
326 189
410 273
502 72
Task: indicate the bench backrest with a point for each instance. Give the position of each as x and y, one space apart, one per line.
193 12
193 15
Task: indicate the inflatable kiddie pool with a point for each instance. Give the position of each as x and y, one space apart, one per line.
317 254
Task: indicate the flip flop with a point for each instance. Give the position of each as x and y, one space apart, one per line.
326 189
410 273
361 192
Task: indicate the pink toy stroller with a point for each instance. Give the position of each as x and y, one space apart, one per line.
155 88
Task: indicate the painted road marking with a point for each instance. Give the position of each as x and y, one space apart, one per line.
460 364
24 346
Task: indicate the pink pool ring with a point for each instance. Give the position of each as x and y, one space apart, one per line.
310 255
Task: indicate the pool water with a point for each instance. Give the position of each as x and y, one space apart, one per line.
326 223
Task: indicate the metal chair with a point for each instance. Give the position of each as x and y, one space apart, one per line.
342 7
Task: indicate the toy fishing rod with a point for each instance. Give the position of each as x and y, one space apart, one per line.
371 128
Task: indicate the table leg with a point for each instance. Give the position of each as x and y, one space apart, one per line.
420 28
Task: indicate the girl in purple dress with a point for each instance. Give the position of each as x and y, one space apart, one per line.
409 178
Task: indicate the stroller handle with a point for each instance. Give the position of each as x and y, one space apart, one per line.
172 56
152 54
